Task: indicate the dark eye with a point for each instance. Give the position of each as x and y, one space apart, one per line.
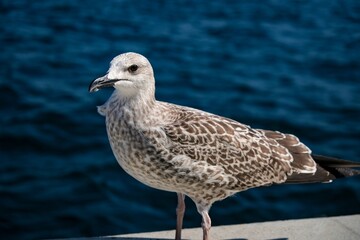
133 68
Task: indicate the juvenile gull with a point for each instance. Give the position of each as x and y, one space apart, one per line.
194 153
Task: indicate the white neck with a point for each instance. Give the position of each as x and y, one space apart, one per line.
140 103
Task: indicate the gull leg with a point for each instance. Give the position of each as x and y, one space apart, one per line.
180 210
206 224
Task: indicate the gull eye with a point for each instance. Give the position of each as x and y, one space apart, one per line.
133 68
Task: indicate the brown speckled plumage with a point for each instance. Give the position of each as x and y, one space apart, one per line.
194 153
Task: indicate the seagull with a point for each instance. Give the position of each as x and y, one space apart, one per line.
194 153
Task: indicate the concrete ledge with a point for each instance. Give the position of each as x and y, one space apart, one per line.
329 228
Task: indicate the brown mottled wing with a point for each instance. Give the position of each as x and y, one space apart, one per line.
244 153
305 167
303 162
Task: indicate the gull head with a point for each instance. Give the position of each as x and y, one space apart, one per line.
129 73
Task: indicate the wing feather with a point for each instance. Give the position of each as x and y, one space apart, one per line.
302 160
245 154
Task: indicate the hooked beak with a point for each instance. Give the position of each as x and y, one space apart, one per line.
102 82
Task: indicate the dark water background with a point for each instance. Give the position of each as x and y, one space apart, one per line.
292 66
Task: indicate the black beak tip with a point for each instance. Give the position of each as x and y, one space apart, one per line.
92 88
100 83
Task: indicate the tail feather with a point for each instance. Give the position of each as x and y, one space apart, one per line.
334 162
328 169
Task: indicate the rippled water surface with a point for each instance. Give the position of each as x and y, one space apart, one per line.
292 66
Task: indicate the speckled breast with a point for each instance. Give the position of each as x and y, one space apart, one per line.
136 155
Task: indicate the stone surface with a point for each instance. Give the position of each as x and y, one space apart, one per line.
330 228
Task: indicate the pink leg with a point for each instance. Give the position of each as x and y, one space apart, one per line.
206 224
180 210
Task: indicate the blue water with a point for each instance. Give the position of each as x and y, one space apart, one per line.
292 66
